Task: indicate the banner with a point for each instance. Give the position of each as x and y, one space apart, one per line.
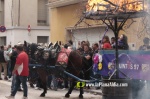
136 65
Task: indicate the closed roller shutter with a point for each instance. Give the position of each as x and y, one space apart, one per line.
2 41
42 12
0 5
42 39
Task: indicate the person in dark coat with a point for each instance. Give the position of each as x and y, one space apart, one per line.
113 42
87 60
13 57
95 48
123 42
3 63
81 46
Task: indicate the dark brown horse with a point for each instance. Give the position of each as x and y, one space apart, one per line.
48 58
75 66
40 58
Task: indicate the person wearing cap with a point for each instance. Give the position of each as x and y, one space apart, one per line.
21 70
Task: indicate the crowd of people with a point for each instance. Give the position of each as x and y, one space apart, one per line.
14 59
6 61
108 45
14 63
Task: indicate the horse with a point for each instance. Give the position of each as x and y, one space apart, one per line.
30 49
39 56
75 66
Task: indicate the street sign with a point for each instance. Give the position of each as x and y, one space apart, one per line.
2 28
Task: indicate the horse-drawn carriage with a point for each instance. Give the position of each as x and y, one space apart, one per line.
58 61
54 60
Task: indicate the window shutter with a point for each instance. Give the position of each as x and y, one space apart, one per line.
0 5
42 39
1 12
42 12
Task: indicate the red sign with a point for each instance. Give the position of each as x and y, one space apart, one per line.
2 28
29 28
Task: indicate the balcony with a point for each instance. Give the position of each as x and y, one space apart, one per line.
60 3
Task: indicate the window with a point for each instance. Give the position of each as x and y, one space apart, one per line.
42 39
1 12
42 12
2 41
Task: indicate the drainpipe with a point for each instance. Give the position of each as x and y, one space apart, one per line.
19 14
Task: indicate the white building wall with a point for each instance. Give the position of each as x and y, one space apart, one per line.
16 22
13 36
31 37
9 34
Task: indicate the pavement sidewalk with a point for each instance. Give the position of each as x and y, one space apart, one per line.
94 91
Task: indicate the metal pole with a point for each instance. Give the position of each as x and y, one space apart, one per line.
116 31
143 5
12 23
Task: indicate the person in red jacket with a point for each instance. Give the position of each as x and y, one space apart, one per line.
106 43
22 71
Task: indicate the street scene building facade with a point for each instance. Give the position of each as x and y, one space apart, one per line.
100 48
24 20
66 13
